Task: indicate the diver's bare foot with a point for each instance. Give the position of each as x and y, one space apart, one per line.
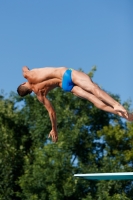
120 108
130 117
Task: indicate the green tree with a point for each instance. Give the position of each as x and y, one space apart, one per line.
90 141
14 144
80 150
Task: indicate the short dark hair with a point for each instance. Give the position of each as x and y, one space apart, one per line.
23 90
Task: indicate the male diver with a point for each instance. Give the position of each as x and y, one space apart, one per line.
42 80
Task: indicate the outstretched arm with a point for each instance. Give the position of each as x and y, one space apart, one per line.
52 115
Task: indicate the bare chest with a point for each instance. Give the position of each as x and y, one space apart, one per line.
45 86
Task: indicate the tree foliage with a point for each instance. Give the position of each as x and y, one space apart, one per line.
90 141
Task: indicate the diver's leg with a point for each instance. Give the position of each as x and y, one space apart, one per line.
84 81
97 102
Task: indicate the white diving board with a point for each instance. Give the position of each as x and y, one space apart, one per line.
107 176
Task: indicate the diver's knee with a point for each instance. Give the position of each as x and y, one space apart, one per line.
96 91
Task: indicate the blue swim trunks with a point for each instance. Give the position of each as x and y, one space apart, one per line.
67 83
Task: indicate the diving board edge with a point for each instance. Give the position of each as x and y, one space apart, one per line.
107 176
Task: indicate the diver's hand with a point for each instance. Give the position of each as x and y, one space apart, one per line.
54 135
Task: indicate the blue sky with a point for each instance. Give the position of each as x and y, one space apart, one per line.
71 33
